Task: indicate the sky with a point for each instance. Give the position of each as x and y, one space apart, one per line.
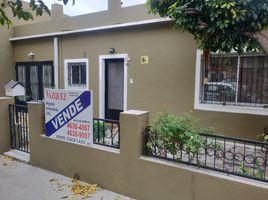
89 6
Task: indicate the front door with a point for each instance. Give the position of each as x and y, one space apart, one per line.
114 88
35 76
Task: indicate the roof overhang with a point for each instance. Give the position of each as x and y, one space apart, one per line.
98 28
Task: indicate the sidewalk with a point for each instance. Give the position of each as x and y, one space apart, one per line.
20 181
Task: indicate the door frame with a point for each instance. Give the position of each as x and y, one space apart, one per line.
102 59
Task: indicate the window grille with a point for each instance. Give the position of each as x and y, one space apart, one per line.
237 80
77 74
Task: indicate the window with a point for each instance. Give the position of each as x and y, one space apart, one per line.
76 74
233 82
35 76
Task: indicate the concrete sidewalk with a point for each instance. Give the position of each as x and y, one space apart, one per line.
20 181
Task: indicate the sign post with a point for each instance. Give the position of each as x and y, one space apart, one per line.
69 115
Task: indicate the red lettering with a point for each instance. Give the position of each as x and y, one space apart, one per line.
56 95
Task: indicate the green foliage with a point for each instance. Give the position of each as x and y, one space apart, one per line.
175 133
99 131
260 172
264 135
246 171
18 10
219 25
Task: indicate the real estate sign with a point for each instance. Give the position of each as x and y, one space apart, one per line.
69 115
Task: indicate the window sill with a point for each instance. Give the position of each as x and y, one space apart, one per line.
231 109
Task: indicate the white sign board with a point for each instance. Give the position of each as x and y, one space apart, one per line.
69 115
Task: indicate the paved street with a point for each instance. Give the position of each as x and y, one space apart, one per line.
20 181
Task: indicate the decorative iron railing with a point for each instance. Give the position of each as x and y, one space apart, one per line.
19 129
106 132
241 157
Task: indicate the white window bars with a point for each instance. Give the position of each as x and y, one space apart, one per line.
232 83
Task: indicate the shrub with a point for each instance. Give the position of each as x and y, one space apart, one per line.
264 135
99 131
173 133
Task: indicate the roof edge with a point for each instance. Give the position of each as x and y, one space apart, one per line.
98 28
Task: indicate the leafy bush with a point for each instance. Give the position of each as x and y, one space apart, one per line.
99 131
264 135
259 173
175 133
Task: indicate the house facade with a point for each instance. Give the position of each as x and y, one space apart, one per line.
133 60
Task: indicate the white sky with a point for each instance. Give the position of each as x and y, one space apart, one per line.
89 6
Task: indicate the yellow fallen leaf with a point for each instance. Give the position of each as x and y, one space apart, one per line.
83 190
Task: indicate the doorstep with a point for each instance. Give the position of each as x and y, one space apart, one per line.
18 155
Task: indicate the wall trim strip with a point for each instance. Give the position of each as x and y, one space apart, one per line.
98 28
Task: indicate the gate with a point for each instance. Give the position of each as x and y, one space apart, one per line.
19 129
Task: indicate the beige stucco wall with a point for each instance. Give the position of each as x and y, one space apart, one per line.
7 65
4 124
166 83
7 68
128 172
42 49
115 16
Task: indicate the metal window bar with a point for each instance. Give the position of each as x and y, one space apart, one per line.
106 132
19 129
230 155
236 80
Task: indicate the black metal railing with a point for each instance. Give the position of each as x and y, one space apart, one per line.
241 157
19 129
106 132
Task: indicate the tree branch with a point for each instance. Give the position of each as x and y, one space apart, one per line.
193 11
190 11
201 24
259 37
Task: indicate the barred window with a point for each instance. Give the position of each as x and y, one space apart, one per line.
235 80
76 73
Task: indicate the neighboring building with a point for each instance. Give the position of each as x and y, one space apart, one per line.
134 60
7 70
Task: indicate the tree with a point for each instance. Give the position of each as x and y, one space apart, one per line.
219 25
18 10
